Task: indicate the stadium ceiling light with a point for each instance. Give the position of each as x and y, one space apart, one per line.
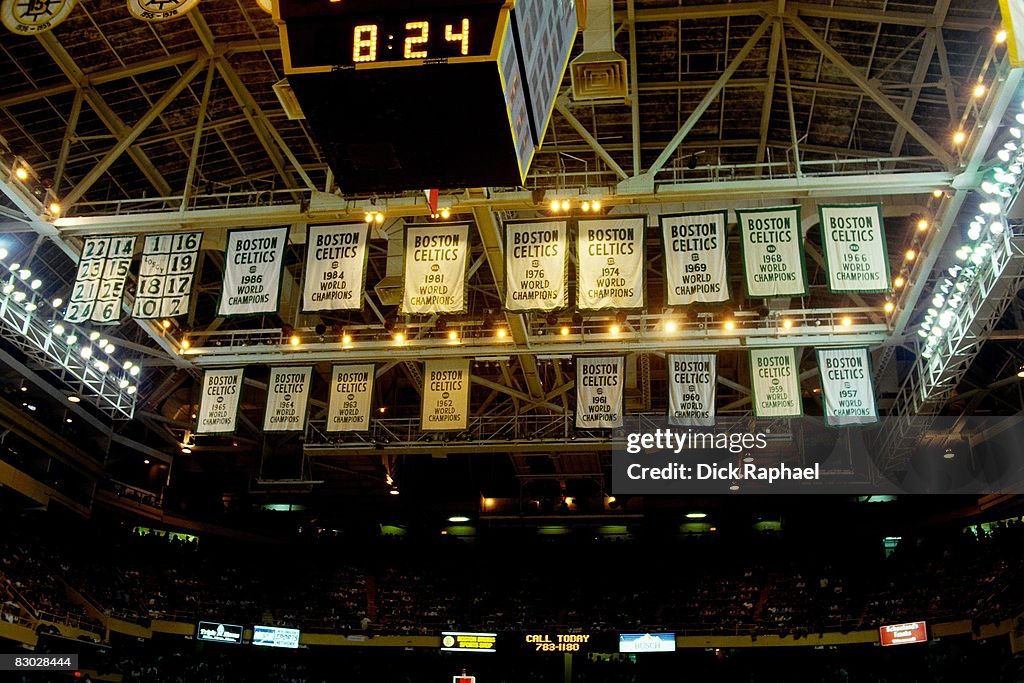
1020 372
75 398
393 491
458 519
696 515
949 454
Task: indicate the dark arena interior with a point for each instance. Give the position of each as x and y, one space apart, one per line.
512 341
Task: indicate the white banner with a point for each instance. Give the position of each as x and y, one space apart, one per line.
287 396
610 263
252 271
695 258
445 395
599 391
435 269
773 253
348 408
847 387
1013 23
218 404
691 389
99 285
335 267
166 275
853 242
775 381
536 254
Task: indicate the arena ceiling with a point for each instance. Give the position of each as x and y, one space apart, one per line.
144 127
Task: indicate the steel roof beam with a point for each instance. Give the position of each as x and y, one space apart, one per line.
107 115
130 135
874 92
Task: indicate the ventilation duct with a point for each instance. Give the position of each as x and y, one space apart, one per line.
389 289
599 73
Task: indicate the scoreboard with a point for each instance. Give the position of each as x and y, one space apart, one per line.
413 94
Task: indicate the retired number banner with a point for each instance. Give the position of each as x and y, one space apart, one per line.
776 383
99 285
445 395
335 267
847 387
435 269
691 395
610 262
166 275
348 409
252 271
599 391
853 242
218 404
536 254
773 253
695 259
287 396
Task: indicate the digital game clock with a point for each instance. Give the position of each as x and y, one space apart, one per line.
324 35
412 94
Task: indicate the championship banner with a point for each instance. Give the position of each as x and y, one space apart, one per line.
348 408
536 254
1013 23
773 253
335 267
166 275
695 259
847 387
692 378
252 271
218 403
435 269
287 396
99 285
775 380
853 242
599 391
610 262
445 395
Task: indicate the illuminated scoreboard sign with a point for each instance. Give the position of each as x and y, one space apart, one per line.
903 634
557 642
412 94
323 35
461 641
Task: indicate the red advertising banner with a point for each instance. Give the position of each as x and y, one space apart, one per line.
903 634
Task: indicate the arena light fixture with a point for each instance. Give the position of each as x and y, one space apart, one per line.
458 519
696 515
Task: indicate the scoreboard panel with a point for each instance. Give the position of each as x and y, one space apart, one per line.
324 35
411 94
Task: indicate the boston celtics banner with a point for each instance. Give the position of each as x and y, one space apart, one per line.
445 395
166 275
1013 23
99 285
348 409
853 242
435 269
599 391
775 379
847 387
335 267
287 396
773 253
610 262
218 402
252 271
691 389
536 254
695 258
